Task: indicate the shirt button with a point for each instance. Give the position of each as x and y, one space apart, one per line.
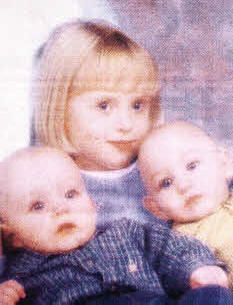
90 263
132 268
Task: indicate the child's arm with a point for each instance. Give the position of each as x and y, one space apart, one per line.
184 262
192 264
11 292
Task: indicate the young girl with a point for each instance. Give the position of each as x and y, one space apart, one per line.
96 97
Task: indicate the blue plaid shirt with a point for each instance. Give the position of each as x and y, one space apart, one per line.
127 256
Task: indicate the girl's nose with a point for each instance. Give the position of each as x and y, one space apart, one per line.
124 121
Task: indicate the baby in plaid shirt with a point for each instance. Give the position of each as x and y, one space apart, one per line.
58 257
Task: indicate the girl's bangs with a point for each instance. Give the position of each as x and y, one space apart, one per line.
116 72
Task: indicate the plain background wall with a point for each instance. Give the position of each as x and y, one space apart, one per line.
25 25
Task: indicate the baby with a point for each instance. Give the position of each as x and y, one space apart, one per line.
187 177
59 258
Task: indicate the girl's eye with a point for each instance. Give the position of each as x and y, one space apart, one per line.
192 165
165 183
37 206
137 105
71 194
103 105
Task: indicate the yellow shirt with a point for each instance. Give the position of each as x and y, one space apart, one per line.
216 231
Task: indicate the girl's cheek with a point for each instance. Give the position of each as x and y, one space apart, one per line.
100 126
147 126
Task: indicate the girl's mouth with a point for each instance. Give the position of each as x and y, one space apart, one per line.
192 200
66 229
122 141
122 145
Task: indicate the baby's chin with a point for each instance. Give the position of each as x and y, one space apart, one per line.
182 220
190 216
65 245
58 249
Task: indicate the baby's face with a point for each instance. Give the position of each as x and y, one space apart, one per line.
50 211
184 173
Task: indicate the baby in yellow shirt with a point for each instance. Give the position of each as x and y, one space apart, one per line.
187 176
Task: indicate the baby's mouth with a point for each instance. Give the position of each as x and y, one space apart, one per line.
66 228
192 200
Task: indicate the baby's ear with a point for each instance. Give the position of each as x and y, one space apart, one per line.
10 240
16 243
3 226
149 204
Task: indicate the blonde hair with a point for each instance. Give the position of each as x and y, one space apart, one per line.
83 56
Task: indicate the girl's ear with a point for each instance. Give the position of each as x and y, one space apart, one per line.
227 163
159 120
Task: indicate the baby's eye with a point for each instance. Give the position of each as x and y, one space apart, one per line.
137 105
37 206
192 165
104 105
71 194
165 183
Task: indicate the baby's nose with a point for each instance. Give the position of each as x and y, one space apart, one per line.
60 209
184 185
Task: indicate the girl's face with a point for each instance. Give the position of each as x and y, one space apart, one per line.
107 128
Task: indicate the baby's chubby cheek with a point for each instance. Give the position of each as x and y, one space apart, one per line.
169 203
